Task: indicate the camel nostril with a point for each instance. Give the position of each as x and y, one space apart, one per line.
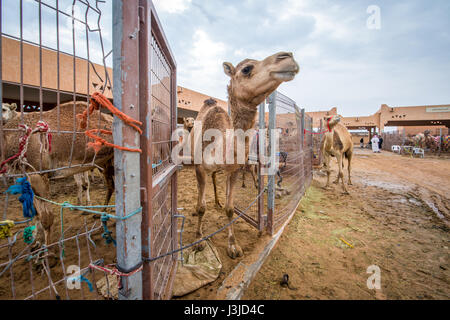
284 55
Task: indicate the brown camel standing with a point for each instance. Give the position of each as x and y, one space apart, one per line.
337 143
40 159
251 82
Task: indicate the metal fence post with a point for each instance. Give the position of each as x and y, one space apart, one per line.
127 164
271 182
261 141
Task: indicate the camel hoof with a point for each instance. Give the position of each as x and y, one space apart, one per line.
336 181
234 251
350 183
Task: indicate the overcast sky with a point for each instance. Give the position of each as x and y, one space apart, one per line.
343 62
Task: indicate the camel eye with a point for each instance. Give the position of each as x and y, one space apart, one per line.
246 71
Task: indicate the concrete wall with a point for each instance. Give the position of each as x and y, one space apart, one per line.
11 65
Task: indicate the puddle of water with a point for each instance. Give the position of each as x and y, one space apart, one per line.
386 185
435 210
414 201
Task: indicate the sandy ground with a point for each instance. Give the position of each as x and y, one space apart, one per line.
396 217
25 273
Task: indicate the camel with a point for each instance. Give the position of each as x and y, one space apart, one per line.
337 143
188 123
81 179
8 111
40 159
251 82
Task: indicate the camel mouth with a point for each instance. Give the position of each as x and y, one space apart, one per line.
285 75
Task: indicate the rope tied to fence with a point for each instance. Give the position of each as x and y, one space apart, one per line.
325 131
23 187
20 156
107 234
99 100
5 229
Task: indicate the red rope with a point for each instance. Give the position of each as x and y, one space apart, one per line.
328 125
41 126
98 100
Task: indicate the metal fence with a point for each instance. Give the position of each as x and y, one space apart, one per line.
48 73
294 157
271 196
54 60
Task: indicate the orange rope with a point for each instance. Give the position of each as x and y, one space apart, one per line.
98 100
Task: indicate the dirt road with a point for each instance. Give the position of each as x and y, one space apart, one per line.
396 217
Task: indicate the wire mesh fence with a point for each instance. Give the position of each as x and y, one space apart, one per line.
294 158
54 56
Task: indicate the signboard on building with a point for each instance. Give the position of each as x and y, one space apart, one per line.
438 109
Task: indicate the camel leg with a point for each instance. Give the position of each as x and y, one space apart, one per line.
254 175
108 174
349 158
341 173
234 250
326 162
201 204
216 197
78 180
88 186
41 187
243 178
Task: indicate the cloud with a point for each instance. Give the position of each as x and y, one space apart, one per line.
172 6
202 65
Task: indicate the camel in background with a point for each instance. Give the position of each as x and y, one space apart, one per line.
251 82
40 159
337 143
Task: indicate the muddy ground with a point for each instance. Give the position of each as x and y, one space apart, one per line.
396 217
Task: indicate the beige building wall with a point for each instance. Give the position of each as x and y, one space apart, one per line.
84 72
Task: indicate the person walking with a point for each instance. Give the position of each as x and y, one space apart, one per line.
380 143
361 143
375 146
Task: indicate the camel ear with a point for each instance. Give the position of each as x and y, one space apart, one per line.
228 69
13 106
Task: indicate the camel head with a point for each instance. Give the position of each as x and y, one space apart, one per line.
332 120
8 111
188 123
251 81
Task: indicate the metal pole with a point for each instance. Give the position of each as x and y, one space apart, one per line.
271 184
262 219
127 164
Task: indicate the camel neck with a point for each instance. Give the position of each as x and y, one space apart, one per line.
243 115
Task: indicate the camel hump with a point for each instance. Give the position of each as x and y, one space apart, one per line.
216 118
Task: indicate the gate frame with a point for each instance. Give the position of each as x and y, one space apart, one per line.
134 24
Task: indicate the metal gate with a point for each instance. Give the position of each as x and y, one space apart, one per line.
148 71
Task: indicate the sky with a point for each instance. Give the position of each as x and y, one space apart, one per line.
403 61
352 56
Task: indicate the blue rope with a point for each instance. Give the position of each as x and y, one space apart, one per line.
83 279
107 235
23 187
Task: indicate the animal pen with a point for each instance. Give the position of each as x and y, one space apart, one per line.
67 75
275 194
75 65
